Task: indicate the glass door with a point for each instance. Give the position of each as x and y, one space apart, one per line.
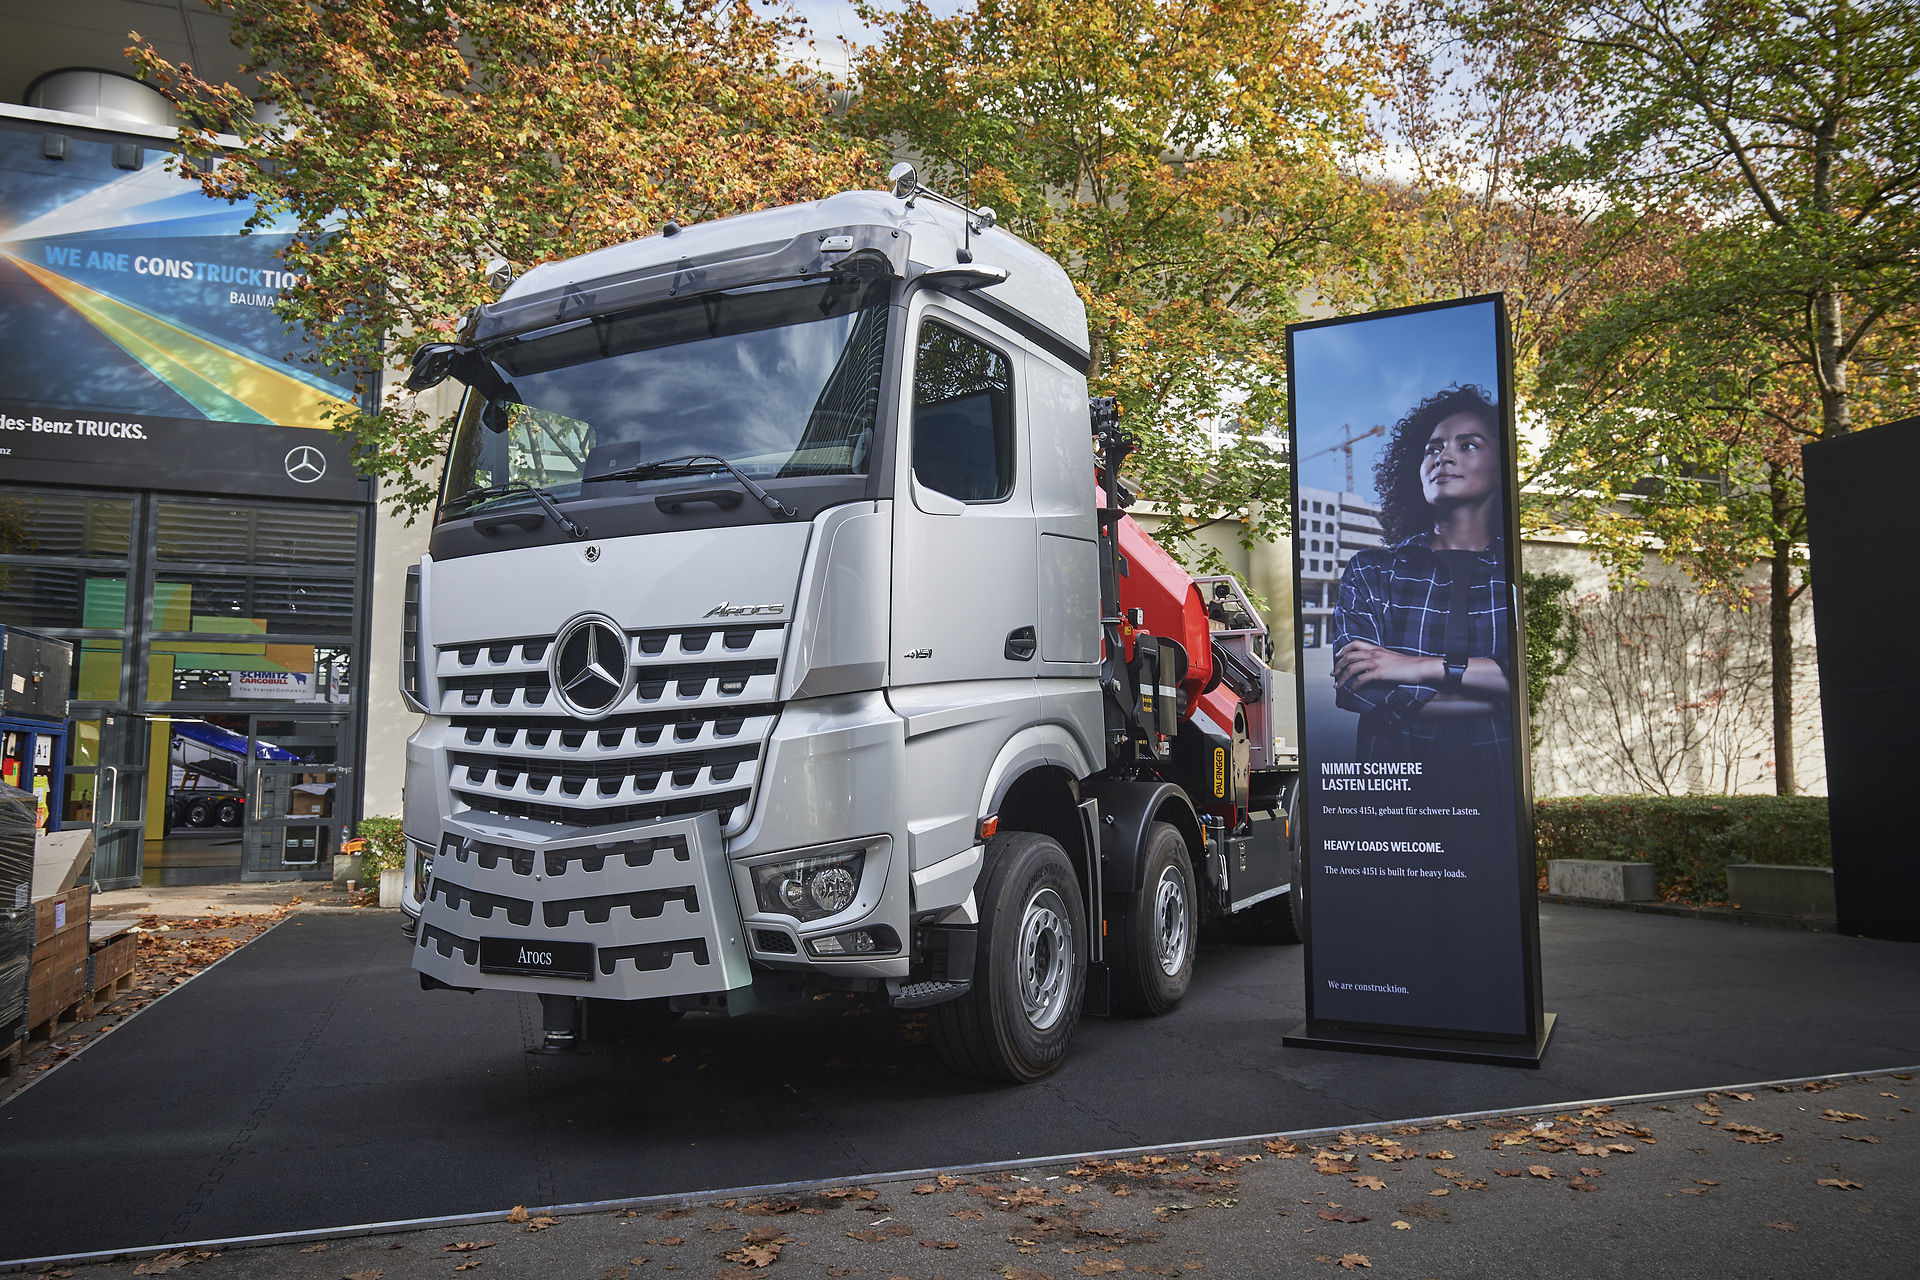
295 798
107 787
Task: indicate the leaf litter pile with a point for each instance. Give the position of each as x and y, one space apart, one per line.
1770 1166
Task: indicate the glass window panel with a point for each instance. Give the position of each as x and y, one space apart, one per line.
96 676
962 416
325 676
256 535
76 807
49 596
40 523
253 604
83 744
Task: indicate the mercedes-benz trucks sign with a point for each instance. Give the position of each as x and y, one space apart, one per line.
1416 802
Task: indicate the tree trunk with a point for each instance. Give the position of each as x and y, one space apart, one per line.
1836 414
1780 635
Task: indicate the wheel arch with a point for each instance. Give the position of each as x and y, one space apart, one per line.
1128 810
1034 785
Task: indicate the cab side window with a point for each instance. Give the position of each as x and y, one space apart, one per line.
962 416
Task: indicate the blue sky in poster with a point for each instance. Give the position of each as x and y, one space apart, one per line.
1368 372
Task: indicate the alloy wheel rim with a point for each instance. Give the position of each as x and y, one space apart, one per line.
1171 921
1045 959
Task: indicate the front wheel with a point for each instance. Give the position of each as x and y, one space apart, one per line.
1030 966
1158 928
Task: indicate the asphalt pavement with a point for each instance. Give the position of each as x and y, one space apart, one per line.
307 1082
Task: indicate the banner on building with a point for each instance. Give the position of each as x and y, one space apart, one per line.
138 331
1416 803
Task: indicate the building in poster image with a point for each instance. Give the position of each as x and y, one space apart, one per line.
1418 855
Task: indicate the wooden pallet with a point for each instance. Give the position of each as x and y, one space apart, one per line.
104 996
51 1027
11 1058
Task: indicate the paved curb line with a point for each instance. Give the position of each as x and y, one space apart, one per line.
131 1016
682 1199
1719 915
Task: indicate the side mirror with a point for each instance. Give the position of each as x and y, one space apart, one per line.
433 364
493 416
904 180
962 278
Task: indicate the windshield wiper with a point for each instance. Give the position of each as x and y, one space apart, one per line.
541 496
692 464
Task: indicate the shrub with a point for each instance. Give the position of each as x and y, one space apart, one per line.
386 849
1690 840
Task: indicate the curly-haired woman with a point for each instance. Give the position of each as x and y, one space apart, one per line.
1420 635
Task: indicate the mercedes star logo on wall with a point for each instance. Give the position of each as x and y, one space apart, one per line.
305 463
590 668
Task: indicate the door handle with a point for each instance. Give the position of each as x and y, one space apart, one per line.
111 808
1020 644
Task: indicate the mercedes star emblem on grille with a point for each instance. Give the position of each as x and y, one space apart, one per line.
590 666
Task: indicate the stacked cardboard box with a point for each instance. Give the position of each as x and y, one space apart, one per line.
18 811
58 978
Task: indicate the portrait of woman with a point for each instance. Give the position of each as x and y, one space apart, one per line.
1420 633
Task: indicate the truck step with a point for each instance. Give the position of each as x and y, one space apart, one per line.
918 995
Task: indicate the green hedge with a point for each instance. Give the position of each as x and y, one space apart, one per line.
1688 839
386 849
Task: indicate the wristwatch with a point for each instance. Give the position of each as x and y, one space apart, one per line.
1456 671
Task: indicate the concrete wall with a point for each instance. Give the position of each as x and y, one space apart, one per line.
397 545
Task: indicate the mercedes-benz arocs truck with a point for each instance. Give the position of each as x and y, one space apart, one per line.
782 630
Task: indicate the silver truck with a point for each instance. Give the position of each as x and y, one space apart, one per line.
782 630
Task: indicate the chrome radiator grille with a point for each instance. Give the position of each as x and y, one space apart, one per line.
687 736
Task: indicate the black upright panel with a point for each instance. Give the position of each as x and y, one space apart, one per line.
1865 541
35 673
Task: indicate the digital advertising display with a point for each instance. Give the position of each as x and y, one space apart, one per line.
138 332
1416 801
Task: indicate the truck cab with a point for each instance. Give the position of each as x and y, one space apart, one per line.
763 642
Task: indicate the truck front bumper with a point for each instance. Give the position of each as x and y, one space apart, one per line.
623 915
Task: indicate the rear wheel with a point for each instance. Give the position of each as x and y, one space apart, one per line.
200 812
229 813
1030 966
1158 928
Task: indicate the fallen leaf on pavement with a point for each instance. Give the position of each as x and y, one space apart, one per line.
1540 1171
754 1255
1402 1226
466 1246
542 1223
1438 1191
1749 1133
1100 1266
969 1215
159 1266
1744 1097
1511 1173
670 1241
941 1244
469 1265
1285 1150
1840 1117
1436 1155
1581 1184
1693 1191
519 1213
1783 1226
1860 1137
926 1189
1708 1108
315 1248
1369 1182
767 1206
719 1224
1352 1260
767 1235
665 1215
1342 1215
1841 1183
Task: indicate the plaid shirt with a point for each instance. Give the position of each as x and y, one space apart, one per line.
1399 598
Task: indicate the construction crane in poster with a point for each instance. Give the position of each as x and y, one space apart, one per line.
1346 447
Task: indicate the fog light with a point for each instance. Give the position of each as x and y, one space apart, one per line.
878 940
810 888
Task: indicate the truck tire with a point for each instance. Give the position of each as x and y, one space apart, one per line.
200 812
1158 929
1029 970
229 814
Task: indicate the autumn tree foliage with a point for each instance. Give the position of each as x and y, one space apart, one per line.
1789 133
1183 160
418 143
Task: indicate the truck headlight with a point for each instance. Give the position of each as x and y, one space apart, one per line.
422 870
810 888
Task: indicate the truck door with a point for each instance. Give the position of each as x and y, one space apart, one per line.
965 548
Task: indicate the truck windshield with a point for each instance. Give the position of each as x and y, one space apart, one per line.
779 381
